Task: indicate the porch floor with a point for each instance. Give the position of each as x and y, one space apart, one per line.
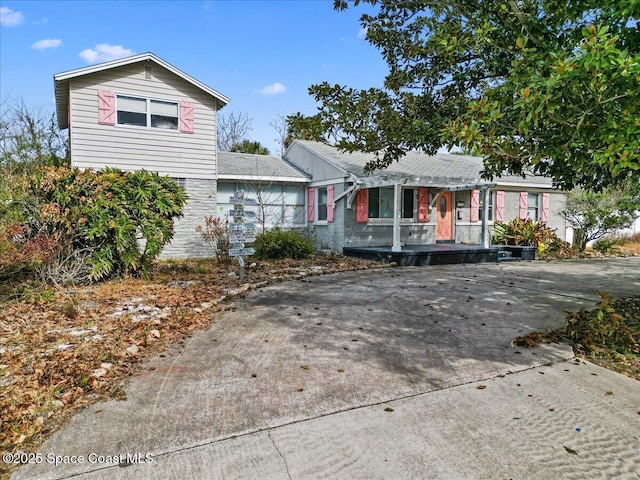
422 255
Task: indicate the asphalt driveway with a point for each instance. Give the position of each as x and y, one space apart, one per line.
394 373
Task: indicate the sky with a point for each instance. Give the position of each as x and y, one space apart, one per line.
262 54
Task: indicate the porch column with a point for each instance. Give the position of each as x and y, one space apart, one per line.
397 213
485 214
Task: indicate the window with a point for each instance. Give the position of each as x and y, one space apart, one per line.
491 204
381 202
144 112
533 206
408 199
182 182
322 204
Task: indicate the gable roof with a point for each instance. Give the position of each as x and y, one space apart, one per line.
443 167
61 81
250 167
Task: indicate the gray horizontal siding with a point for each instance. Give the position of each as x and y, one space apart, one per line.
133 148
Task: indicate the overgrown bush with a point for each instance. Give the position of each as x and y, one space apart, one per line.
93 224
279 243
520 231
215 232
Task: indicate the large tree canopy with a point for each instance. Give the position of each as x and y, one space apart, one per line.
543 86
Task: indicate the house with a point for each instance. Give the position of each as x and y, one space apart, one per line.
141 112
419 200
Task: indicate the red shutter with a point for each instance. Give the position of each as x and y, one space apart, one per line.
106 107
545 207
474 214
522 211
311 204
362 206
423 204
330 203
499 206
186 117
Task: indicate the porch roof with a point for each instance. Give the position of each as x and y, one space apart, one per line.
439 170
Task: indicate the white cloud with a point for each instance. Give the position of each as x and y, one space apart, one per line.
104 53
362 34
273 89
47 43
10 18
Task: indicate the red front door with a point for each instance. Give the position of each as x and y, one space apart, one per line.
444 216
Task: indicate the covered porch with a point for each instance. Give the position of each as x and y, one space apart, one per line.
437 208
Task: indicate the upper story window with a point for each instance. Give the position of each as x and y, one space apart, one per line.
144 112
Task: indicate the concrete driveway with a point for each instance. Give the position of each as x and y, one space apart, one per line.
394 373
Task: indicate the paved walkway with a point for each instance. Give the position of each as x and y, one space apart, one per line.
396 373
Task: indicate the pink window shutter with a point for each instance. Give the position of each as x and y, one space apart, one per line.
545 207
311 204
330 197
474 214
423 204
522 211
362 206
499 206
106 107
186 117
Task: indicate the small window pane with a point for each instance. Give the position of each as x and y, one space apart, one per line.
132 104
169 109
132 118
407 202
374 203
386 202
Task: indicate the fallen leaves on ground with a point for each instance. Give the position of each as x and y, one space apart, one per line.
63 349
608 335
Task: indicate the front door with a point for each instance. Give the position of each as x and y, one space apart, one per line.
444 215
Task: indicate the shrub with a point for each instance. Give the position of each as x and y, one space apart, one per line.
96 224
215 232
520 231
279 243
605 245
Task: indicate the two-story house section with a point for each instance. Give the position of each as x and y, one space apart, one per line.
141 112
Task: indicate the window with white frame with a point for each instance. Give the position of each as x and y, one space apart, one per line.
145 112
381 203
491 204
322 204
408 203
533 206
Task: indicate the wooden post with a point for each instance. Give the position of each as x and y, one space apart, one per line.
397 213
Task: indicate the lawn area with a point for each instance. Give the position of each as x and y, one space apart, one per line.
63 349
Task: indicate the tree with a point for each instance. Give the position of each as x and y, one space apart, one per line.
282 130
594 215
29 137
248 146
232 129
542 86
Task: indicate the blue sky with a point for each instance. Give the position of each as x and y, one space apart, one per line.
262 54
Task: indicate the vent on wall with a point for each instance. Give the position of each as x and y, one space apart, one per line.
148 72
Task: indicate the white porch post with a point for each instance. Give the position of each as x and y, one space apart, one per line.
485 214
397 213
